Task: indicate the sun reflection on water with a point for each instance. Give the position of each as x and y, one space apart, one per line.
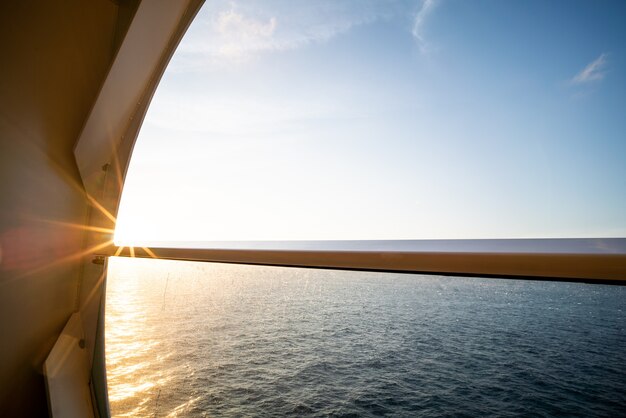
135 354
146 363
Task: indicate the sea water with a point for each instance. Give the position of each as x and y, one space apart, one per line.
202 339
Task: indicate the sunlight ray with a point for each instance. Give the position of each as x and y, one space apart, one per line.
66 259
78 226
101 208
150 252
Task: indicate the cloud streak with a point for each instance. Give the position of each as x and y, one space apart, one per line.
240 34
418 24
594 71
241 30
229 31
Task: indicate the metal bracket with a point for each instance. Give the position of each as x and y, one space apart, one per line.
98 259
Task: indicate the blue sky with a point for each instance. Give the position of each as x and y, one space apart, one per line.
386 120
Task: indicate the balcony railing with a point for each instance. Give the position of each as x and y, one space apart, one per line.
590 260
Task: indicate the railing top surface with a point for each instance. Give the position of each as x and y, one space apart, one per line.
534 246
593 260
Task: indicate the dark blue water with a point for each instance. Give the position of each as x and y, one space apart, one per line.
197 339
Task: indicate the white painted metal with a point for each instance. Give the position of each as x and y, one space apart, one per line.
128 85
67 373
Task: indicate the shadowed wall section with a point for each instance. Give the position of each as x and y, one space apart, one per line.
54 57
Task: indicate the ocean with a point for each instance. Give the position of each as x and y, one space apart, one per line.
204 339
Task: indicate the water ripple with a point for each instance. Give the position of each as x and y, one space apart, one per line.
196 339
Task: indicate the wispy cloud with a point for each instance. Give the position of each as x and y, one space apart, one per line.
239 33
227 30
594 71
418 24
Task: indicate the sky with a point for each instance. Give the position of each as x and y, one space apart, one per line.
428 119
